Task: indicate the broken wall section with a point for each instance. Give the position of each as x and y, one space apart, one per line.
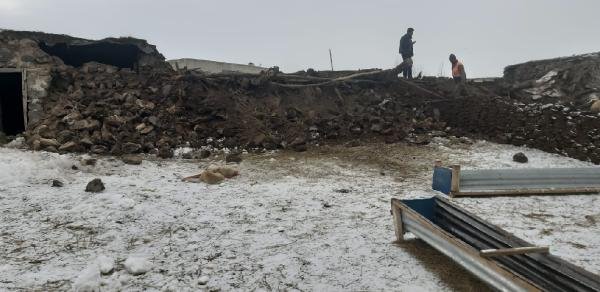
36 67
570 80
552 128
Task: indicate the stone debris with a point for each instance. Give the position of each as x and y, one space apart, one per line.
57 184
132 159
203 280
235 157
95 186
520 158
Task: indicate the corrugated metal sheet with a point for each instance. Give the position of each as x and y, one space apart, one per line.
529 178
461 235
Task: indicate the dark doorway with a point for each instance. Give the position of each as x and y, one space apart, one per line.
12 119
115 54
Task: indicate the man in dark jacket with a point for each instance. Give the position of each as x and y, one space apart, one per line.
406 50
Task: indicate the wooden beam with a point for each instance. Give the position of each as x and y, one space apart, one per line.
486 253
455 184
397 217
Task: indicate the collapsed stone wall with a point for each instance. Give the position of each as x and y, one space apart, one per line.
103 109
552 128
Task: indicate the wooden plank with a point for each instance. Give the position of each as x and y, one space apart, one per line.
455 186
397 217
514 251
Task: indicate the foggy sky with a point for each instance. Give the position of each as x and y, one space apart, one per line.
486 35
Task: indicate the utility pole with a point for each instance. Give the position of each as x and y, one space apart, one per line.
331 59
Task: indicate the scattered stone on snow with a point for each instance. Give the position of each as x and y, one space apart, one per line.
165 152
90 161
56 183
132 159
203 280
204 153
520 158
235 157
95 186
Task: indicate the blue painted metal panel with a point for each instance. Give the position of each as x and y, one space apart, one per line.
425 207
442 179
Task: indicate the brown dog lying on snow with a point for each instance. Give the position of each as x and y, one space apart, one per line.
213 175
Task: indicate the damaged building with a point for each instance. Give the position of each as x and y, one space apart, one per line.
119 96
28 61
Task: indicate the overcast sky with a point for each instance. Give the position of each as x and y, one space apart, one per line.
486 35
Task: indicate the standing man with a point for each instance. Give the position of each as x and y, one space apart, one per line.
458 70
459 75
406 50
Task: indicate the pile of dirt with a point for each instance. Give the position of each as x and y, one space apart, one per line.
108 110
572 81
552 128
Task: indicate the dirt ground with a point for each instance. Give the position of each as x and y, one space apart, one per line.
312 221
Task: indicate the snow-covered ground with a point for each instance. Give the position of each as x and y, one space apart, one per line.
315 221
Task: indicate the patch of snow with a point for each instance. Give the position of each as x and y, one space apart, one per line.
105 264
136 265
88 280
230 232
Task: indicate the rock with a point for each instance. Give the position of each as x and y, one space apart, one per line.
211 178
95 186
204 153
85 125
51 149
520 158
106 264
595 106
129 147
69 146
153 120
99 149
299 144
132 159
353 143
165 152
4 139
56 183
235 157
203 280
148 105
49 142
144 129
137 265
90 161
115 121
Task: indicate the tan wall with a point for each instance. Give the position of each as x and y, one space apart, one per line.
214 67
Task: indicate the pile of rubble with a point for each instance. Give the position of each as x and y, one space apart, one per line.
106 110
572 81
